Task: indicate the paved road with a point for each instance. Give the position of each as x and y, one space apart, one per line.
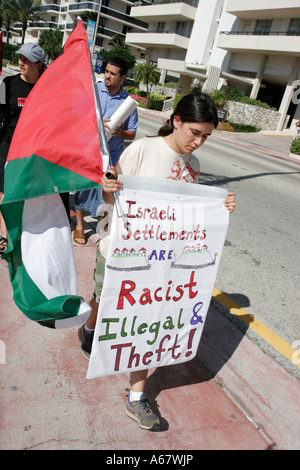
259 267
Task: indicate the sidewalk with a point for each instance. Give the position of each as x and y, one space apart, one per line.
272 143
231 396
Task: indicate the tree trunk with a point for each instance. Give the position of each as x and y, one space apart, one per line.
24 27
148 94
7 28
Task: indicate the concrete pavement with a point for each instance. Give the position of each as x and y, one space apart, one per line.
231 396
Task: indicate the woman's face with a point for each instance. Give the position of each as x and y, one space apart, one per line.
29 70
188 136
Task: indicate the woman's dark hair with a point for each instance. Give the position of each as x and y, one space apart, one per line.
195 107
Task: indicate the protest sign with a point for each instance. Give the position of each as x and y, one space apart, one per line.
161 265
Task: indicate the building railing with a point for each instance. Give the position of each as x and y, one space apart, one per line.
84 6
123 17
261 33
41 24
193 3
50 7
110 12
180 32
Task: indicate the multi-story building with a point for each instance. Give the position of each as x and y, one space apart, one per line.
253 46
181 36
264 45
61 14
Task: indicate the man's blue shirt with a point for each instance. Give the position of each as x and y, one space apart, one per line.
109 104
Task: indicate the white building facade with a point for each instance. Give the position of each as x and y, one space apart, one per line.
253 46
61 14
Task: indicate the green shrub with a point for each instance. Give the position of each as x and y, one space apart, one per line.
295 147
8 52
133 90
236 95
239 95
219 98
171 85
177 98
156 102
239 127
236 127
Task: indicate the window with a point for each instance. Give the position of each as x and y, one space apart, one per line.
263 26
294 28
161 26
247 26
183 28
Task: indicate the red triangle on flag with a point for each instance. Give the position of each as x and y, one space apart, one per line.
59 120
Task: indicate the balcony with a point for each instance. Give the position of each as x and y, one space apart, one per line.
40 25
264 9
177 11
107 12
173 39
123 18
269 44
50 8
83 6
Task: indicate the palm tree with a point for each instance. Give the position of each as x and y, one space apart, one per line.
119 49
8 14
26 10
51 41
118 42
146 73
1 13
219 98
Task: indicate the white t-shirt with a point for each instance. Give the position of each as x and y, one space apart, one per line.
152 157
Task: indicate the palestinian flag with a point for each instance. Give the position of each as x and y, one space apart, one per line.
59 145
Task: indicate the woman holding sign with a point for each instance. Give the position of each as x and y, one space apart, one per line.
168 155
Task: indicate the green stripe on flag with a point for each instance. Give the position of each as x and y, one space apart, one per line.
27 296
35 176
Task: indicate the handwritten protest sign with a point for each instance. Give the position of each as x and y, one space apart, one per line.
161 266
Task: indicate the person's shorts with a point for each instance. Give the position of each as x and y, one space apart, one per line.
99 275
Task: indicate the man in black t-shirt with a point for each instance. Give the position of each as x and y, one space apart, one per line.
14 91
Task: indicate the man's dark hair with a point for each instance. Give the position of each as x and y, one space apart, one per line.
121 63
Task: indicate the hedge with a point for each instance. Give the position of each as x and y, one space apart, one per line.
295 147
156 102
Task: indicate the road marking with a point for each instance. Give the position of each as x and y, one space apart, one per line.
263 331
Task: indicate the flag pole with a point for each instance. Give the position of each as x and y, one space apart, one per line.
102 135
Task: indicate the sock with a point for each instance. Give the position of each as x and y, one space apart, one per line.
135 396
88 330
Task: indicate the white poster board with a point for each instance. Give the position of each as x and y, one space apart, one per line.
161 266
